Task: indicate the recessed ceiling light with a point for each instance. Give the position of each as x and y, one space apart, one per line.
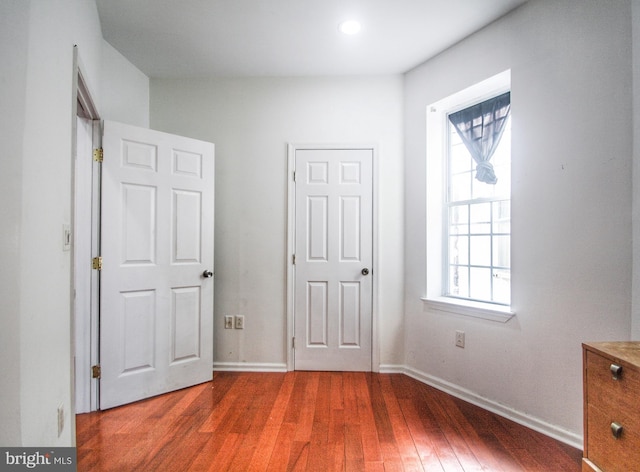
349 27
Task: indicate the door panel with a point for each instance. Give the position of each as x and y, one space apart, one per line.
350 322
333 243
139 224
187 224
185 323
157 240
137 322
350 228
316 314
317 235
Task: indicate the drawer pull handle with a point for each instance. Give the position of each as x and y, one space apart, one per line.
616 430
616 371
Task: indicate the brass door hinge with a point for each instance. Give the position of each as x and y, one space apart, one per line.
96 263
98 155
96 372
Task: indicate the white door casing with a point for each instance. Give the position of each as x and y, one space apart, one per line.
156 311
84 279
85 244
333 247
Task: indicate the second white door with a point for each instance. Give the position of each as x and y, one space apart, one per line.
333 259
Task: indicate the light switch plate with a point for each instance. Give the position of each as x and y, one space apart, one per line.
66 237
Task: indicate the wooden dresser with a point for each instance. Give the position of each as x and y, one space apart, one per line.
611 406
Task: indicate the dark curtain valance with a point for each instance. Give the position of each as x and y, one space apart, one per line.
480 127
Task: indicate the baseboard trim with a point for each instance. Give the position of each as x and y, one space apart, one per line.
567 437
247 367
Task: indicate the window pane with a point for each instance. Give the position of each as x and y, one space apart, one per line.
501 251
502 156
459 219
481 189
458 250
480 218
503 187
502 286
480 250
480 283
461 160
502 216
459 281
460 187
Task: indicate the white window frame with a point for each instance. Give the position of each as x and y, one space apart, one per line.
436 194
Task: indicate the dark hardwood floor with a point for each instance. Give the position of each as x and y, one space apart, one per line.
315 421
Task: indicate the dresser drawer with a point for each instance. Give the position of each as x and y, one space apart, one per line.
607 452
621 395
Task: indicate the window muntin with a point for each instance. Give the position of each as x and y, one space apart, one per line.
478 224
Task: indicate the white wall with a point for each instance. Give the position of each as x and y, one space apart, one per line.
44 275
251 121
571 209
124 89
37 50
14 29
635 324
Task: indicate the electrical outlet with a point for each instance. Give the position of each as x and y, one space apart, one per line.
239 322
60 419
460 339
228 322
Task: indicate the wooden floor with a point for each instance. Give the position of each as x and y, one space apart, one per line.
316 421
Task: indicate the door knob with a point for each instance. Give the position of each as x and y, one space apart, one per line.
365 271
207 274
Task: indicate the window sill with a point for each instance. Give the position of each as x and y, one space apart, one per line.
484 311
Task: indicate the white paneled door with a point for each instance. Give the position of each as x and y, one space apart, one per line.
156 288
333 259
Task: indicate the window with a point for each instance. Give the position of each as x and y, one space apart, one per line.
478 228
469 202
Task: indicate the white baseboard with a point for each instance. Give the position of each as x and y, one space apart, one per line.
247 367
567 437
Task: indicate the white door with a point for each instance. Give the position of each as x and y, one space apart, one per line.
156 309
333 259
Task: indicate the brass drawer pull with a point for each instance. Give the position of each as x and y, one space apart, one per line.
616 371
616 430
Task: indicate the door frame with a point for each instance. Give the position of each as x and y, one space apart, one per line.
292 148
84 186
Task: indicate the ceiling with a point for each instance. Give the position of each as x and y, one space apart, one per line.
234 38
